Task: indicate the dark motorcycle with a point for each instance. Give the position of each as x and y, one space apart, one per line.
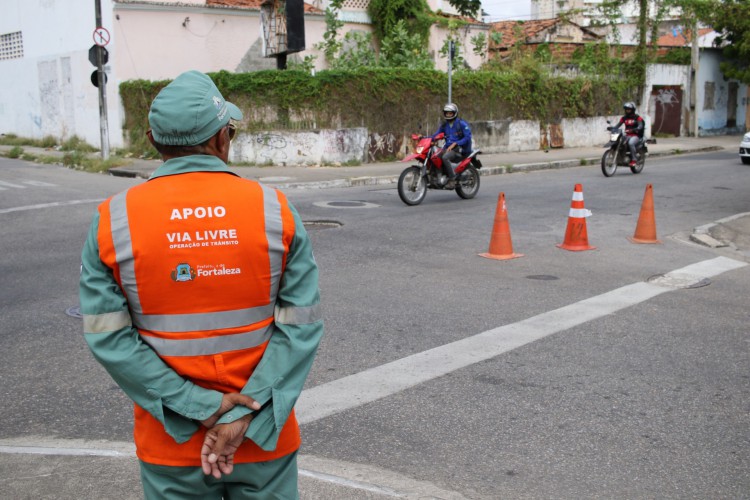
415 180
618 153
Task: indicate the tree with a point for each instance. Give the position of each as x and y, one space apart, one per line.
386 13
468 8
731 19
400 49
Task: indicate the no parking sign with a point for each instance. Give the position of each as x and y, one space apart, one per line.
101 36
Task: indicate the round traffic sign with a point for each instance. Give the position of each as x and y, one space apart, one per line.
101 36
95 78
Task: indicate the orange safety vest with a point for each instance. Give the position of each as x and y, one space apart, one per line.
199 257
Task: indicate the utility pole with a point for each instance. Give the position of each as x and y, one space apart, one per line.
103 128
451 52
694 53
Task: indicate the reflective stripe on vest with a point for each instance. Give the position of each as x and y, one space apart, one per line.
174 323
211 345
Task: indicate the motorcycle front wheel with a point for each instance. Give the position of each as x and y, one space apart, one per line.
609 163
640 163
468 183
412 187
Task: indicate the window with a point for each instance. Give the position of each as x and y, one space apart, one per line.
11 46
708 95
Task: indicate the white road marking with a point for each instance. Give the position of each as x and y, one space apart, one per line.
79 452
5 185
49 205
384 380
384 483
39 183
349 483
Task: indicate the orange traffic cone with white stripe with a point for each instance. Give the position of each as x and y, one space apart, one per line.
501 247
576 236
645 230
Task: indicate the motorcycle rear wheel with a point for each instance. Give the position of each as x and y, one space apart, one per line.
609 163
412 187
467 186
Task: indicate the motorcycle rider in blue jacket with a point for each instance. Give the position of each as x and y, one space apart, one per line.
457 141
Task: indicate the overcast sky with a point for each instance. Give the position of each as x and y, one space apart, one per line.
502 10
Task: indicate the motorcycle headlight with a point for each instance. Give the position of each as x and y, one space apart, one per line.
613 137
419 150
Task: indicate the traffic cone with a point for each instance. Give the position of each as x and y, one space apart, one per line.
645 230
576 236
501 247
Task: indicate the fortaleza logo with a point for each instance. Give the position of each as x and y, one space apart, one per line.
183 272
219 270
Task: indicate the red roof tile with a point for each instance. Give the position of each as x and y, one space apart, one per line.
527 29
680 39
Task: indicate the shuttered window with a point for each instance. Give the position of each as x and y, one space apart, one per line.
11 46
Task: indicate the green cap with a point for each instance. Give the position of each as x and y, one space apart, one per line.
189 111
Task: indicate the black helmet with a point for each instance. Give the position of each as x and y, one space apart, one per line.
629 107
450 109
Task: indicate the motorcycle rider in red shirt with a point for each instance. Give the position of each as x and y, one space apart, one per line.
634 128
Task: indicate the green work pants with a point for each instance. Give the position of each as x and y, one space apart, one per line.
275 480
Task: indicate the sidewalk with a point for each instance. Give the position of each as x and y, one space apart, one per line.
305 177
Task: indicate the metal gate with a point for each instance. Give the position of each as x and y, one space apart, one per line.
668 104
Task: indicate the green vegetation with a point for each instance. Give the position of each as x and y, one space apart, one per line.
677 55
14 140
731 18
79 160
396 100
415 14
77 153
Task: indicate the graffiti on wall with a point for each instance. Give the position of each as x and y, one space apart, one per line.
280 149
383 146
271 148
666 97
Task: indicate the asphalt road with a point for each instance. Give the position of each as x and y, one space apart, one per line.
645 396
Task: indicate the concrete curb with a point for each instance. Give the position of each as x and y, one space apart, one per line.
702 234
505 169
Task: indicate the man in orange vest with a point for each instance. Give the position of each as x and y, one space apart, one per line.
199 292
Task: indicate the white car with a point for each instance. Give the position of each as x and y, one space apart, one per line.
745 149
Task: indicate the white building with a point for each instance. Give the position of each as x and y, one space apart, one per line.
45 73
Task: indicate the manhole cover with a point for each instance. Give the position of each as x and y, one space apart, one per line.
542 277
321 224
74 312
679 281
345 204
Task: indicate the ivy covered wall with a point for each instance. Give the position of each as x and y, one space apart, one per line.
397 101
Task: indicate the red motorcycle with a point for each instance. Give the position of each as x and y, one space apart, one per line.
415 180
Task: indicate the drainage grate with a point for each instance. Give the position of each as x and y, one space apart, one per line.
321 224
345 204
542 277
